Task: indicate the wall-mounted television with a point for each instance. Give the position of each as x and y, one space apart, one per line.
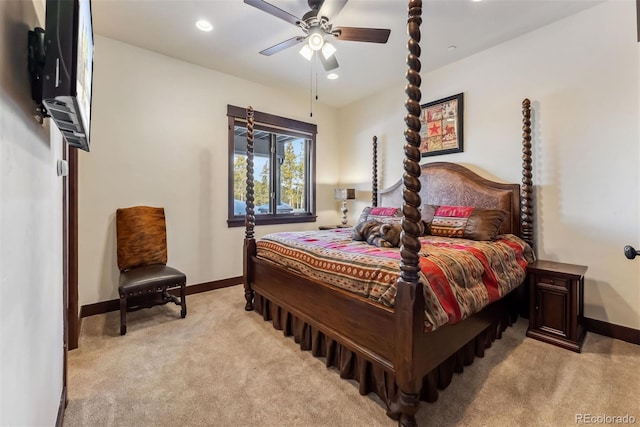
61 68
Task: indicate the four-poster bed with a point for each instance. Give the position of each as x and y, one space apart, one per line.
387 349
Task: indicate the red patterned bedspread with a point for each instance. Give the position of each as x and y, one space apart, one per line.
461 276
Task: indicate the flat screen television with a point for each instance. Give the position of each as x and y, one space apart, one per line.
61 67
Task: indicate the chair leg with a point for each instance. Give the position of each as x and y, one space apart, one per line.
123 314
183 300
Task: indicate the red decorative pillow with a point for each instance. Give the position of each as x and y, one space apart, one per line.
463 221
381 214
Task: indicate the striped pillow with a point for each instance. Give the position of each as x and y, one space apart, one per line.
463 222
381 214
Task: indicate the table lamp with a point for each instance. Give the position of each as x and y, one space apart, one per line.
344 194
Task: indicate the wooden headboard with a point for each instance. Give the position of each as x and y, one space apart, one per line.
452 184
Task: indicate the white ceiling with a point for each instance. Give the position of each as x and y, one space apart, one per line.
241 31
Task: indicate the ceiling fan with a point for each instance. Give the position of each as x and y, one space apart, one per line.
318 30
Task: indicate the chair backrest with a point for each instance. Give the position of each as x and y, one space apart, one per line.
141 237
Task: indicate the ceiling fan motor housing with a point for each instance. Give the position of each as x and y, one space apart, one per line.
315 4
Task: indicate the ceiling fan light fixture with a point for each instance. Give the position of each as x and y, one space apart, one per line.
306 52
315 41
328 50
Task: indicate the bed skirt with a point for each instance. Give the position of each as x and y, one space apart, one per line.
371 377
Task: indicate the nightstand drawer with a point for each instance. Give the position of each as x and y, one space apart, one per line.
554 281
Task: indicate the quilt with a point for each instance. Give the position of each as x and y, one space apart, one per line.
460 276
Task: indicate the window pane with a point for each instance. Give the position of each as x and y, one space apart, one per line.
283 177
261 184
261 169
292 183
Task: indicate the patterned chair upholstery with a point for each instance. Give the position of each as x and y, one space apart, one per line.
145 278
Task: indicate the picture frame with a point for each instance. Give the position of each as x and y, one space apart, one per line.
441 130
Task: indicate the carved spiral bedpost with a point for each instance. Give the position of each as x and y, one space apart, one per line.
411 230
374 182
526 191
249 218
409 305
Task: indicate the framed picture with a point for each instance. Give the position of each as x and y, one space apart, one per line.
441 126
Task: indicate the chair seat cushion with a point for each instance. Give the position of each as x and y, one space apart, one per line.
150 277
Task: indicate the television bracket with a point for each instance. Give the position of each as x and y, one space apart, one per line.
36 59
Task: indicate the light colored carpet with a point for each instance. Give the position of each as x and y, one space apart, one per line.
222 366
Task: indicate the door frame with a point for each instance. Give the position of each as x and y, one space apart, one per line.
71 263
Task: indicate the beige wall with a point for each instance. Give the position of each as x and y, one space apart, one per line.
581 75
159 137
31 329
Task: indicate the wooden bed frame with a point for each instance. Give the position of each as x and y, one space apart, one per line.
387 349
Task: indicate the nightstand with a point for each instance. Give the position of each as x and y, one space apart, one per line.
556 303
331 227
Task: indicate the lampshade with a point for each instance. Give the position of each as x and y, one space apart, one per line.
344 193
306 52
327 50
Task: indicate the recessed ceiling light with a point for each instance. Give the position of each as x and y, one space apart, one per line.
476 1
204 25
332 76
452 48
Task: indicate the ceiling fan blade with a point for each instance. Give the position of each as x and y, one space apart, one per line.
282 46
371 35
329 64
331 8
273 10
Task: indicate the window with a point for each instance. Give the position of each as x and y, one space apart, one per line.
283 168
